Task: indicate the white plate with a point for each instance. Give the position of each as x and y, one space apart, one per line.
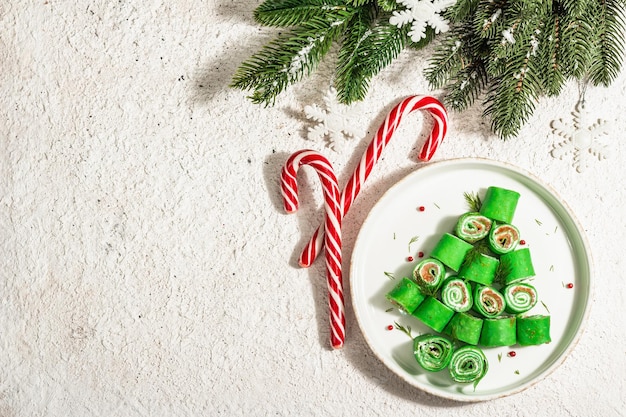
559 251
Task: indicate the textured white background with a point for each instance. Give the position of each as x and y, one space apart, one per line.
146 265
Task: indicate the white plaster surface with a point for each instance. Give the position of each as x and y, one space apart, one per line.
146 265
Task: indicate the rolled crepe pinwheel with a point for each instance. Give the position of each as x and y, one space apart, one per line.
406 295
429 275
503 238
464 327
451 251
500 331
499 204
471 227
433 313
533 330
488 301
519 298
432 352
517 265
468 364
456 294
479 268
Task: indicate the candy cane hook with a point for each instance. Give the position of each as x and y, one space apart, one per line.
332 225
373 152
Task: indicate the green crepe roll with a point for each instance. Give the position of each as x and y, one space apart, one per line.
533 330
432 352
471 227
465 328
503 238
519 297
456 294
517 265
479 268
451 251
433 313
488 301
406 295
499 204
429 275
468 364
500 331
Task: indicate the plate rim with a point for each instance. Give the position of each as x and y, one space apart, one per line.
583 240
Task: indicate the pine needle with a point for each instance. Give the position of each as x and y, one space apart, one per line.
390 275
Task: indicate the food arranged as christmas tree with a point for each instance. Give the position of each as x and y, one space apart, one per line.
472 291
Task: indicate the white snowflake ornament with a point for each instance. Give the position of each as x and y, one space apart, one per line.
582 139
421 13
335 121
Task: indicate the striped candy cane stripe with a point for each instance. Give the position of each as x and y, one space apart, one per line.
332 224
373 152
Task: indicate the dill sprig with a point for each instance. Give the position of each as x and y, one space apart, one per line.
473 201
406 330
413 240
501 272
480 248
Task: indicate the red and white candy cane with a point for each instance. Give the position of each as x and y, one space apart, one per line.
332 225
373 152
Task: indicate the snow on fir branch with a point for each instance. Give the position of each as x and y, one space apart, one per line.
507 54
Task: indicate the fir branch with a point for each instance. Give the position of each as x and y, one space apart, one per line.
577 52
293 12
289 57
447 60
551 59
519 25
387 5
574 7
351 84
459 65
358 3
511 101
609 26
461 10
366 50
488 19
468 84
382 46
514 51
512 97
